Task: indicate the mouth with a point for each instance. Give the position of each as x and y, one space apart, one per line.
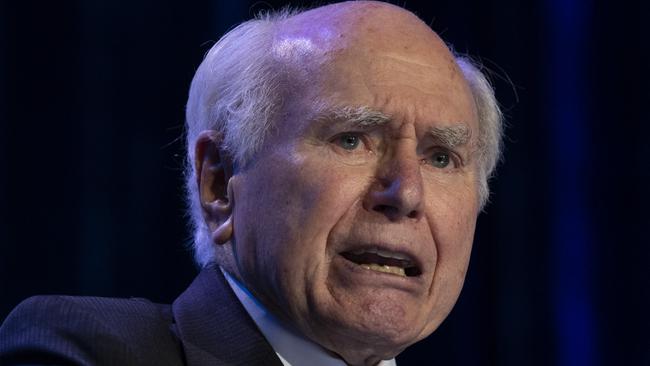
384 261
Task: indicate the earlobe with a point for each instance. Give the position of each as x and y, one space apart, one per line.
223 233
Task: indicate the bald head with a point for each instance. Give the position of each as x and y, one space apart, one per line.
372 23
309 42
354 47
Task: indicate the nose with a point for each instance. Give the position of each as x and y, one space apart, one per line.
397 192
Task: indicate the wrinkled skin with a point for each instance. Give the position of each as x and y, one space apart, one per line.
312 192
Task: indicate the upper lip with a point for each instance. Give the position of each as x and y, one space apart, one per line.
392 252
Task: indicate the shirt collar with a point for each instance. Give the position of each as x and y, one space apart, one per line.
292 348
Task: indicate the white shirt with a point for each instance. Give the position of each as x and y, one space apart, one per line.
292 348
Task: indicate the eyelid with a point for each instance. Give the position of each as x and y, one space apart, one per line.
363 137
455 157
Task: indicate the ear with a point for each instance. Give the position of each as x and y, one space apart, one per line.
214 170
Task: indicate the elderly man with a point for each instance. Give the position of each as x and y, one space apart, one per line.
338 159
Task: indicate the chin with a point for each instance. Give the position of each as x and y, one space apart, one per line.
372 330
367 353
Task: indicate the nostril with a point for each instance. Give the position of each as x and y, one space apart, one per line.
385 209
393 212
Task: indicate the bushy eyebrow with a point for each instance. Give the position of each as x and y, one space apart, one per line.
364 117
451 136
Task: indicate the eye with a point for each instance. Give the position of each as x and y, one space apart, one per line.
440 159
352 148
348 141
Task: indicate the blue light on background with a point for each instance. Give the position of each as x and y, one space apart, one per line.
568 142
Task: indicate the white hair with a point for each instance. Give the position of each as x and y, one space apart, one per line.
490 125
237 91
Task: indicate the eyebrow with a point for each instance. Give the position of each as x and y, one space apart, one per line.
366 117
354 116
451 136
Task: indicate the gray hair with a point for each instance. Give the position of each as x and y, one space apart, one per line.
236 91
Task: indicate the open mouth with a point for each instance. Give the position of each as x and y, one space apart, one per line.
375 259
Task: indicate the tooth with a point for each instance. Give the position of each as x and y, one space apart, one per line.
385 269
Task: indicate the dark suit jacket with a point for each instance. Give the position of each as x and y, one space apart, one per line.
206 325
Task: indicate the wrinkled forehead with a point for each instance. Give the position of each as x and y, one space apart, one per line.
370 51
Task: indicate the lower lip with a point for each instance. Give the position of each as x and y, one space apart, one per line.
353 273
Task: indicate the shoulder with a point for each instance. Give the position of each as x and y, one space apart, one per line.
89 331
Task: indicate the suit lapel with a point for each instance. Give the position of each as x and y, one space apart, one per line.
214 327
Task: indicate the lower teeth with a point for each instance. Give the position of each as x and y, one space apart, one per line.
386 269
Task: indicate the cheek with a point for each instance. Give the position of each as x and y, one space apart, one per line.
324 189
452 221
452 208
287 243
452 218
455 246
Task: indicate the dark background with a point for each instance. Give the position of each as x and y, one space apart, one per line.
92 100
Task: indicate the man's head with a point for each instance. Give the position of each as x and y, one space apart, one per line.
339 159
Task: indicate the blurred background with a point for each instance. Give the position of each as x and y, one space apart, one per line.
92 98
